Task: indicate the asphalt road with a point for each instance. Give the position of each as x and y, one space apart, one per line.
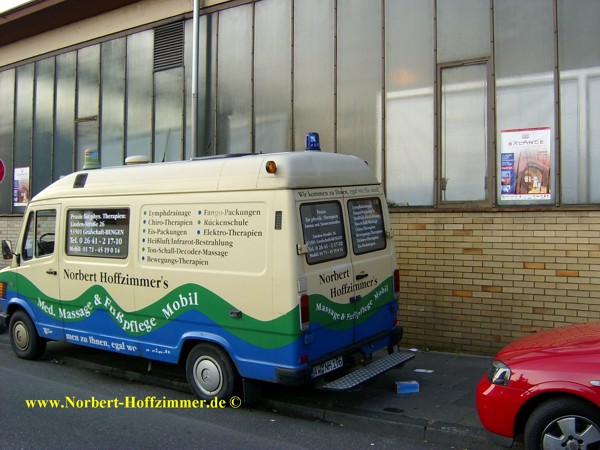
94 410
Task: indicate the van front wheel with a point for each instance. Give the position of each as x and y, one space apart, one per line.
24 339
210 372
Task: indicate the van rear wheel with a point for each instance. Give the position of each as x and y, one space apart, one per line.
210 372
24 339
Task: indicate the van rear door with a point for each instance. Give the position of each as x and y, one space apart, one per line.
348 264
328 272
373 259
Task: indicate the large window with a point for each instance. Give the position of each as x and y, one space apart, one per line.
234 69
464 103
314 78
579 58
7 107
272 69
112 135
465 167
64 125
88 97
524 64
359 108
139 94
463 133
409 125
100 233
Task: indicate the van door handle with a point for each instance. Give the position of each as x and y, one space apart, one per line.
51 272
360 276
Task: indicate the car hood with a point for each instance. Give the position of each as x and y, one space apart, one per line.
570 340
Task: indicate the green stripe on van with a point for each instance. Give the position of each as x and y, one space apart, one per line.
188 297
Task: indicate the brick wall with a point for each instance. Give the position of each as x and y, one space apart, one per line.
9 230
472 282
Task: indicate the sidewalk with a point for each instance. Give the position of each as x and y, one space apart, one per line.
442 411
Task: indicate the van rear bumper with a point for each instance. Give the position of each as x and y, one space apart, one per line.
303 375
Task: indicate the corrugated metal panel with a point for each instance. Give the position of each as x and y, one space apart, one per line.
168 46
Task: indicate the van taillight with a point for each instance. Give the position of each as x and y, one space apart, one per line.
396 283
2 290
304 312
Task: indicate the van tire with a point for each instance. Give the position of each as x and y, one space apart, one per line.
24 339
210 372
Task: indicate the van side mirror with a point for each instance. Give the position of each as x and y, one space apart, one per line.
7 252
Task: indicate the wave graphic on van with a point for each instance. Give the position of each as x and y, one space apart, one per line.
193 297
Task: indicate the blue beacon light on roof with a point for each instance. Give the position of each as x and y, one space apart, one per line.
312 141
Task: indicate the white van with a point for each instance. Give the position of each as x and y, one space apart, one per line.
273 267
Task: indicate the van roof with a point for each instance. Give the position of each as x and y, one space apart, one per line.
295 170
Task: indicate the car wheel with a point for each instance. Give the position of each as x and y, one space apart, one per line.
563 423
210 372
24 339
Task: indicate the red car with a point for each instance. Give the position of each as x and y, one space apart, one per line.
545 388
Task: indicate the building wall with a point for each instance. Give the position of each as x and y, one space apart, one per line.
365 75
473 281
128 17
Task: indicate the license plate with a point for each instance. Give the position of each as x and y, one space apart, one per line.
327 366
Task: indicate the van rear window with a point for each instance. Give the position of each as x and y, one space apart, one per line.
101 233
366 225
323 231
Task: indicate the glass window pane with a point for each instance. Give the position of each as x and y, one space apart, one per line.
87 139
272 73
579 60
168 128
7 104
45 232
359 81
367 228
64 128
28 245
24 124
524 51
112 134
323 230
88 91
234 119
206 85
43 124
463 30
140 64
207 57
410 72
464 133
187 62
88 81
314 72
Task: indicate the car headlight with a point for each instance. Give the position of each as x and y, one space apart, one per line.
499 373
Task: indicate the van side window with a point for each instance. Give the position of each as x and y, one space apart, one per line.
39 234
97 232
366 225
323 231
